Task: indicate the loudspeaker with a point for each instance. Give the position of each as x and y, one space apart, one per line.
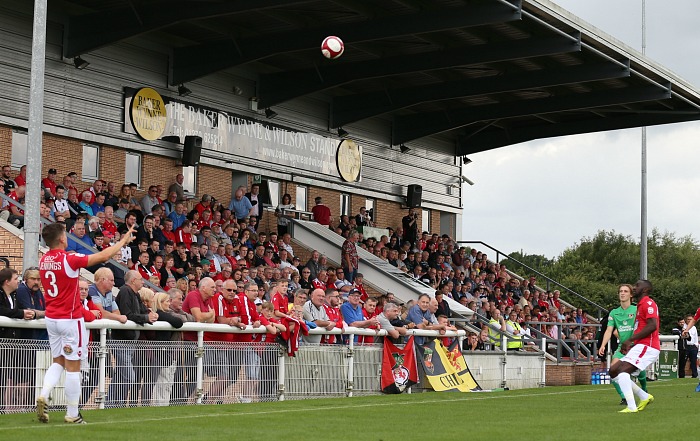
414 196
192 150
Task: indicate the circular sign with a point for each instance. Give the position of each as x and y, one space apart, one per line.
148 114
349 160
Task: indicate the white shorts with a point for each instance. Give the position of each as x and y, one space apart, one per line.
68 338
641 356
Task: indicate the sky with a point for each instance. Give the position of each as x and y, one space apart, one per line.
544 196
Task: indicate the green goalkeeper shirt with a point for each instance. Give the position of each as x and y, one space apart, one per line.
623 321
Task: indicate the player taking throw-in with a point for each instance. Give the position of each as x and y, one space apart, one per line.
60 276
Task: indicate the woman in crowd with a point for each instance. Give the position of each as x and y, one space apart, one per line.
166 272
283 219
305 281
167 352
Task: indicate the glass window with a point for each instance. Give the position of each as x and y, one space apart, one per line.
132 173
91 162
369 205
274 188
345 204
190 182
20 139
301 198
425 220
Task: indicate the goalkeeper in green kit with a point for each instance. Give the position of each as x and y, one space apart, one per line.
622 319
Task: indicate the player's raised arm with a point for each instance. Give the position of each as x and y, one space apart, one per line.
107 253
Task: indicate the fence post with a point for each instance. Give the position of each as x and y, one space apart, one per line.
102 354
543 381
504 368
199 354
351 365
280 374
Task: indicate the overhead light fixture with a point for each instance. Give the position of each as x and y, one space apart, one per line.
404 149
467 180
466 160
269 113
342 132
79 63
237 91
171 138
183 91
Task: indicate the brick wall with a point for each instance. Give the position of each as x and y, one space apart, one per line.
5 145
561 375
12 248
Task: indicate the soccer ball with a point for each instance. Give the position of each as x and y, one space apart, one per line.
332 47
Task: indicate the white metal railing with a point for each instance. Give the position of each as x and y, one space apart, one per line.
127 373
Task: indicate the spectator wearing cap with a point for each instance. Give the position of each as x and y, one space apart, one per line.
321 212
49 182
254 197
352 312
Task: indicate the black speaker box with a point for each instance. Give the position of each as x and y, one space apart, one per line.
414 195
192 151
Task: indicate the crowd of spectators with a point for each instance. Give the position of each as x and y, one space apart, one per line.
213 264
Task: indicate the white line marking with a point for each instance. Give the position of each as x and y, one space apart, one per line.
470 397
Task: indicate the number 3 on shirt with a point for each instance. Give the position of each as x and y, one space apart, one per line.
51 277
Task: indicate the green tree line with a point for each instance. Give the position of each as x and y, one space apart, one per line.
597 265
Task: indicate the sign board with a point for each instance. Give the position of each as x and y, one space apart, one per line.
666 366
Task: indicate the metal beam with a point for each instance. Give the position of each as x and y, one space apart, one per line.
280 87
409 128
85 33
352 108
190 63
494 139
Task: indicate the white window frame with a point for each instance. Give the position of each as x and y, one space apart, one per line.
305 205
274 199
89 175
344 204
20 144
186 172
425 220
137 169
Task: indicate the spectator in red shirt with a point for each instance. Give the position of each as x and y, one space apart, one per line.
21 178
322 214
320 281
199 304
369 311
332 307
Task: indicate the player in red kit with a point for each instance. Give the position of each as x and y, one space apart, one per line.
644 352
68 337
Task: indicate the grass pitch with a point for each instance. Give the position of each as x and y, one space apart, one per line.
553 413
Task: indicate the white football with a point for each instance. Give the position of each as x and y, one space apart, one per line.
332 47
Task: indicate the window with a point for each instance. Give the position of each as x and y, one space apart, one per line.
20 140
345 204
190 182
369 205
91 162
425 220
301 198
274 189
132 173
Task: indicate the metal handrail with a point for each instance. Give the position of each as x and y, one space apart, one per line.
82 243
602 312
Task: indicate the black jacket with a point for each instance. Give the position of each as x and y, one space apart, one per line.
12 312
132 307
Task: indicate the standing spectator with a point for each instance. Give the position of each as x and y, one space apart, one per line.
410 226
130 304
177 188
322 214
349 257
240 206
198 303
12 370
282 217
352 312
257 203
315 312
692 347
170 203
